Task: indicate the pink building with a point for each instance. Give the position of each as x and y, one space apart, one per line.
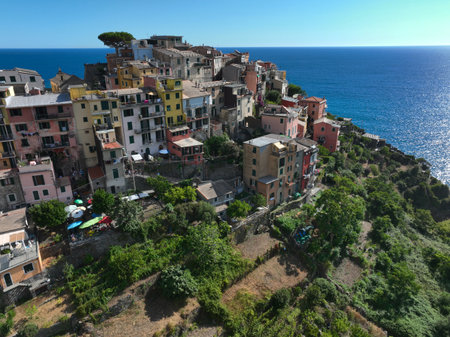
183 147
40 184
43 125
316 106
326 133
290 102
280 120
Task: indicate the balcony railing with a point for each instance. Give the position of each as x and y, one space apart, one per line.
7 136
151 115
150 128
19 256
142 102
53 116
7 154
55 145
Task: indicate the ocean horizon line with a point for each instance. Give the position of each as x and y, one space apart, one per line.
353 46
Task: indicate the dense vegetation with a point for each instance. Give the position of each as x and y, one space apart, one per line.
404 261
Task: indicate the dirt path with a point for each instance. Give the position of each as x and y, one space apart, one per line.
278 272
256 245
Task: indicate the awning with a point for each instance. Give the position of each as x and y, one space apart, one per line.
78 213
163 152
74 224
78 201
106 219
91 222
136 157
70 208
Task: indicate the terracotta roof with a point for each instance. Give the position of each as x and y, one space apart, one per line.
95 172
111 146
314 99
327 121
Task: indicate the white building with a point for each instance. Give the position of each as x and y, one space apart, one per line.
142 49
143 123
30 78
197 107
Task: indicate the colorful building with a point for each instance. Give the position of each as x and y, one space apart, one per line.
61 81
39 182
7 150
326 133
197 107
23 264
43 125
187 150
142 114
170 90
308 165
94 111
281 120
316 106
131 73
272 167
11 194
29 79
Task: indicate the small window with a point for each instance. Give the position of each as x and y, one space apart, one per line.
32 79
38 180
254 149
45 192
2 79
105 105
85 119
333 129
91 149
60 109
179 118
281 171
254 173
131 139
21 127
281 120
254 161
322 129
12 197
36 195
177 95
156 108
15 112
24 142
114 103
115 173
12 78
177 83
167 96
28 268
271 185
168 108
128 112
178 107
44 125
113 154
95 107
130 125
63 189
83 106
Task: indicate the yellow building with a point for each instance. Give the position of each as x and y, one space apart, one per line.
7 152
131 74
95 111
170 90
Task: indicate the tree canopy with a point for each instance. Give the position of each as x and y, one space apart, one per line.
238 209
128 215
48 213
102 201
295 89
116 39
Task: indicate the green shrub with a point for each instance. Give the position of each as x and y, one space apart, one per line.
280 298
7 322
28 330
176 282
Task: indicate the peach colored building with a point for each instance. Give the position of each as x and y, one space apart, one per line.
316 106
282 120
24 261
43 125
39 183
182 146
326 133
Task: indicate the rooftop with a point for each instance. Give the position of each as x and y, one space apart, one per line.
290 99
95 172
214 189
13 220
191 91
187 142
213 84
45 164
306 142
314 99
328 121
111 146
179 128
262 141
37 100
22 70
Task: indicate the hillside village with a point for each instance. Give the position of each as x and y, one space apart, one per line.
174 162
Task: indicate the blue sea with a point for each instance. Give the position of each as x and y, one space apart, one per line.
401 94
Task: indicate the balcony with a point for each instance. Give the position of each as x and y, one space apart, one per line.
55 145
151 115
150 128
101 113
7 136
19 255
99 127
53 116
142 102
7 155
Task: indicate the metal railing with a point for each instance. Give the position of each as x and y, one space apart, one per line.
53 116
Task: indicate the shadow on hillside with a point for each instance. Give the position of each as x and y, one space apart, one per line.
158 307
290 263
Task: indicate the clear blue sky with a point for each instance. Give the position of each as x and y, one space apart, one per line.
76 24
